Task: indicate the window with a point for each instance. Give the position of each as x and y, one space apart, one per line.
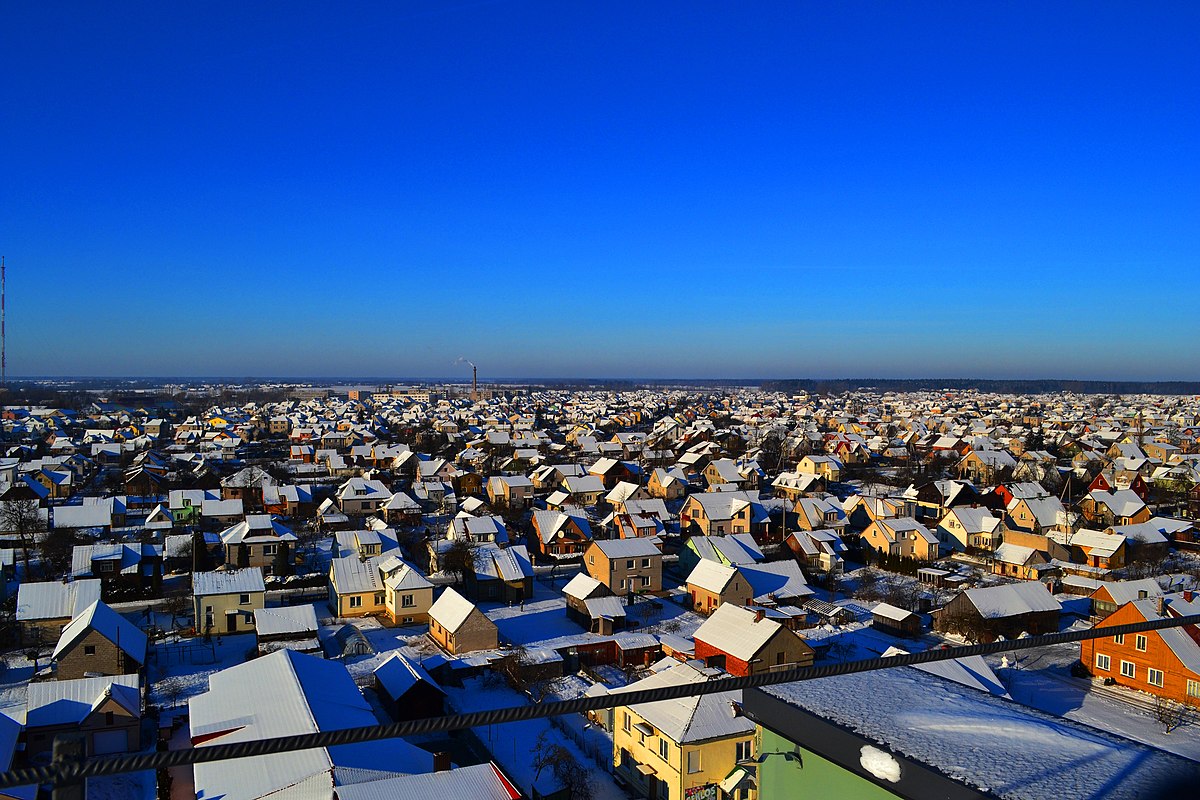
664 749
1154 677
645 580
1103 662
356 601
379 598
1193 688
1128 669
693 761
407 601
270 549
591 559
105 566
243 599
108 718
1119 639
646 563
1140 643
625 725
89 649
744 750
622 583
629 564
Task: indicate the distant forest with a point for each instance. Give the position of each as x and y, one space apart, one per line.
839 385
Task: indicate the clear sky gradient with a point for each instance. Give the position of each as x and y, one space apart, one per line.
800 189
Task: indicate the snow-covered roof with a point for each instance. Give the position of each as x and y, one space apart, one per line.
101 618
627 548
581 586
711 576
285 620
398 674
1011 600
234 581
451 609
478 782
54 599
50 703
775 579
734 630
282 694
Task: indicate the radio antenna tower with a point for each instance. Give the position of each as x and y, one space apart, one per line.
3 339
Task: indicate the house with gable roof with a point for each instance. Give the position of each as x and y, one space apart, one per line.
286 694
744 642
107 710
458 626
99 641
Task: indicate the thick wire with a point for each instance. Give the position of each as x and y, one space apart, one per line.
62 773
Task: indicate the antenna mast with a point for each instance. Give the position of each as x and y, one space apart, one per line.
3 339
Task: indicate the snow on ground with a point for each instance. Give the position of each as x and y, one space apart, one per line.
1041 678
985 741
129 786
14 684
189 662
510 742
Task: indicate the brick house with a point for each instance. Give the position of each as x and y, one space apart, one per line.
744 642
99 642
458 626
625 565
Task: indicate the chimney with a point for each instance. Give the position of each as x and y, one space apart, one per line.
1160 606
1188 594
759 615
441 762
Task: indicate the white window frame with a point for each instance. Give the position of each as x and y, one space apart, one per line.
355 601
694 764
1104 662
1152 674
1140 643
1193 688
1128 669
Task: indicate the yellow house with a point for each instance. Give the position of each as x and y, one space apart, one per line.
681 748
224 602
379 585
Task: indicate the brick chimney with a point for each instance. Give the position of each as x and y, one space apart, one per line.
1188 594
1160 606
759 615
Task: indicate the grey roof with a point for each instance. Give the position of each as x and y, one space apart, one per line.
234 581
63 702
54 599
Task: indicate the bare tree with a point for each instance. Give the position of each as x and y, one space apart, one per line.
171 689
460 558
1170 714
23 518
567 771
56 549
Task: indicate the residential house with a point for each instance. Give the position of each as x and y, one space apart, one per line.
685 748
120 566
558 535
407 691
667 484
1165 662
99 642
1111 595
359 497
458 626
901 536
591 605
971 527
745 642
1007 610
259 540
821 550
106 710
381 584
224 602
289 694
827 467
45 607
513 491
733 549
625 566
711 584
716 513
1121 507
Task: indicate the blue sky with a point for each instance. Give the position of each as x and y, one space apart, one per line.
611 190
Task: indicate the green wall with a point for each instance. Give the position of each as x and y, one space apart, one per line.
781 779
